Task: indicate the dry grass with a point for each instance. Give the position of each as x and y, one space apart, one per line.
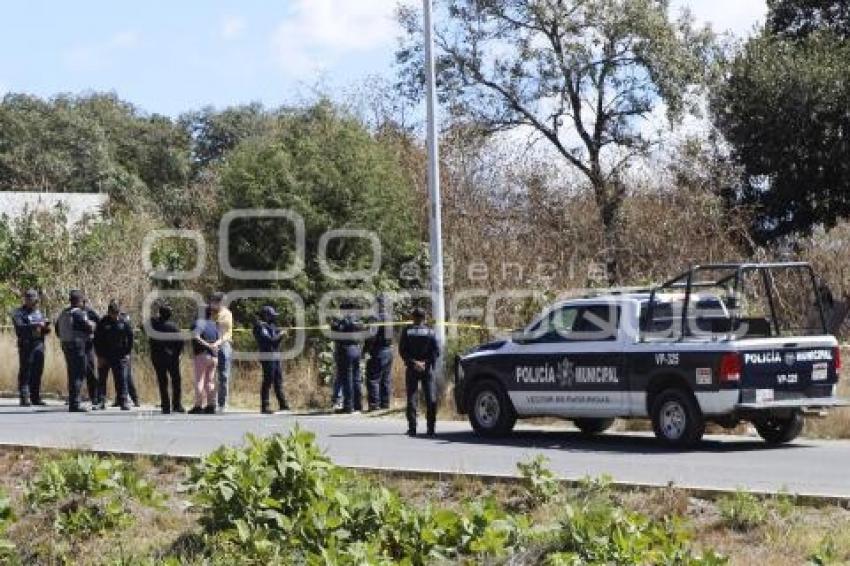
305 389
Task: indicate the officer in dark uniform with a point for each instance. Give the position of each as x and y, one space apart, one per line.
30 327
165 355
347 353
379 367
74 328
268 337
113 342
419 350
93 369
131 383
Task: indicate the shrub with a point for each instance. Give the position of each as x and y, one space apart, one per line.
606 534
87 494
539 481
281 496
742 511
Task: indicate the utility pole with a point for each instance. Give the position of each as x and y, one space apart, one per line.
435 216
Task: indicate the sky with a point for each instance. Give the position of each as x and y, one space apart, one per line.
172 56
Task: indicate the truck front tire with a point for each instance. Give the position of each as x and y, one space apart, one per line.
676 418
593 426
780 430
490 410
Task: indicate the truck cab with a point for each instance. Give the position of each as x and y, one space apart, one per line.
716 344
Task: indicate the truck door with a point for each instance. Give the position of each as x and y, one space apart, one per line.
573 365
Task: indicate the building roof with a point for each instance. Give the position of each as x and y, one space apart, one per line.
77 205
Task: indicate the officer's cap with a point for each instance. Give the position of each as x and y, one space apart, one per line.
217 297
31 294
418 313
268 311
165 311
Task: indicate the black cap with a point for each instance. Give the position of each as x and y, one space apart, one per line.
268 312
217 297
418 312
165 312
31 294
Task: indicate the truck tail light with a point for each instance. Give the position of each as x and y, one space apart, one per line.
836 355
730 368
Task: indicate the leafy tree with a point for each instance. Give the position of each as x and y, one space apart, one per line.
326 166
584 75
215 133
784 108
800 18
92 143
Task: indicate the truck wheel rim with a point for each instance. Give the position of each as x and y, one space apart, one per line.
487 409
673 420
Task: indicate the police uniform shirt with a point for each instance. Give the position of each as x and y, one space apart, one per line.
347 325
72 326
163 347
266 335
113 339
418 343
25 320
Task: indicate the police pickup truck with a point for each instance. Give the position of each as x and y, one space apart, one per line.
721 343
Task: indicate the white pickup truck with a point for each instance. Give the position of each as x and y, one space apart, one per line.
718 343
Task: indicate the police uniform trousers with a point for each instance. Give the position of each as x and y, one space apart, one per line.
167 366
415 378
272 378
30 369
75 360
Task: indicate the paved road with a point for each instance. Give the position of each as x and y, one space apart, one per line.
806 467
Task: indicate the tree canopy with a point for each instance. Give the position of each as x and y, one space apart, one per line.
584 75
785 110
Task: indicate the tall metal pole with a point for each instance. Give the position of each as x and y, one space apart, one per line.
437 289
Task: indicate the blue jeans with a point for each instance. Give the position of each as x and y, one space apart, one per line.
379 376
225 362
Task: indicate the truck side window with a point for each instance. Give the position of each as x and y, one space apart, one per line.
596 323
578 324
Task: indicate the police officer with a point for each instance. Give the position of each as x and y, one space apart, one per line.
74 328
379 367
113 342
419 350
93 369
30 327
347 353
268 337
165 355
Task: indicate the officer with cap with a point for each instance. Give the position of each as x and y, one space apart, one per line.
73 328
348 352
419 349
31 326
269 336
166 348
379 367
113 342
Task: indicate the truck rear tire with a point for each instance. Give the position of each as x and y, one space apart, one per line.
490 410
780 430
593 426
676 418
